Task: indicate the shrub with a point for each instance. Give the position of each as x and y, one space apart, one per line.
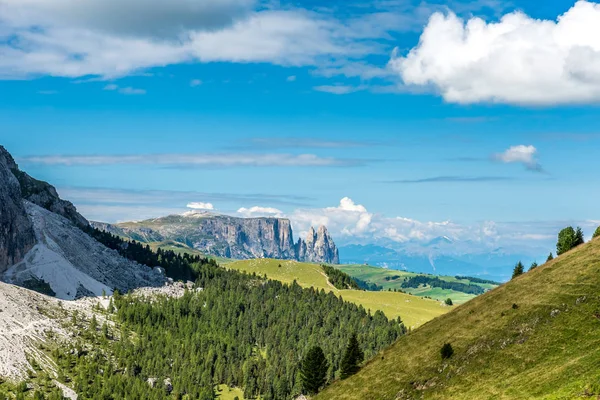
446 351
449 301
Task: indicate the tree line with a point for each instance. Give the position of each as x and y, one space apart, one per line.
417 281
339 279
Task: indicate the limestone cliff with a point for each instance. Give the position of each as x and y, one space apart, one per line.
318 247
232 237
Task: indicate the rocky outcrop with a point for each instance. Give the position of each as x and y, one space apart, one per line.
226 236
318 247
73 264
16 230
44 195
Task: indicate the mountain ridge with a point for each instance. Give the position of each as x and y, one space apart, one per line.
231 237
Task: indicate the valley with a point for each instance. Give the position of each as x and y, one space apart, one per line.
413 310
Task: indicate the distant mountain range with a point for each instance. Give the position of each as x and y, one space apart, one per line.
442 256
232 237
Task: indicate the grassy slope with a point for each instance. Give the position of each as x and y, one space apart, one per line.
413 310
500 352
377 275
224 392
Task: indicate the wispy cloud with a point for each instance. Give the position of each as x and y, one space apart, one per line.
124 90
206 160
195 82
258 211
87 195
456 179
112 205
339 89
303 143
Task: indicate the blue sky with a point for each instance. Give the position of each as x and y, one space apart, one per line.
444 126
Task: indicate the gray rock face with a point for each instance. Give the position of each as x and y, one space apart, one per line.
41 242
318 247
16 230
226 236
73 264
44 195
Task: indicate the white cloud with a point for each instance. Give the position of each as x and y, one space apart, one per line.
200 206
195 82
517 60
197 160
520 154
116 38
291 78
131 90
258 211
348 218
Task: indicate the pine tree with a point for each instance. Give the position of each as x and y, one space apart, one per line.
353 356
568 239
534 265
596 233
550 257
519 270
579 238
314 370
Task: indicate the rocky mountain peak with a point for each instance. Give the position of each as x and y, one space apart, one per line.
318 247
6 159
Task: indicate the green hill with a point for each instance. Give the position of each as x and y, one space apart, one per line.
536 337
393 279
413 310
